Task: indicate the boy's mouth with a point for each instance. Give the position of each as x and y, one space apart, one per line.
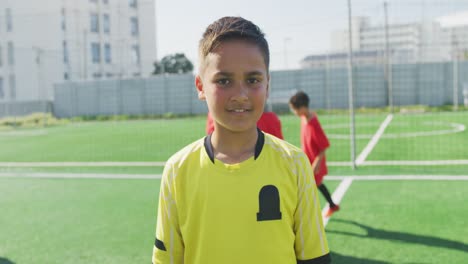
239 110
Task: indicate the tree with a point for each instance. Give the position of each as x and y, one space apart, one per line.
173 63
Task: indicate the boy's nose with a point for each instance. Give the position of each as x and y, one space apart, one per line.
241 92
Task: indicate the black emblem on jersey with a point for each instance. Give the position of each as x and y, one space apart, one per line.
159 245
269 204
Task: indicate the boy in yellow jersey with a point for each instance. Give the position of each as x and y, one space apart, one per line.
238 196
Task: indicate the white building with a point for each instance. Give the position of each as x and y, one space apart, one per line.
49 41
441 39
454 35
366 37
362 57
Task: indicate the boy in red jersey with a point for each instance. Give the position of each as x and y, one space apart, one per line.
314 143
268 122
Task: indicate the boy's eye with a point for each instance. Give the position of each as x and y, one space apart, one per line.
253 80
223 81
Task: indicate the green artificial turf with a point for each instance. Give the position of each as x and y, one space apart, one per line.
401 222
77 221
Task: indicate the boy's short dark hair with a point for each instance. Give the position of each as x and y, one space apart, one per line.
232 28
300 99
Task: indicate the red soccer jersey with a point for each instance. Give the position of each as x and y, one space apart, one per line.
268 122
314 141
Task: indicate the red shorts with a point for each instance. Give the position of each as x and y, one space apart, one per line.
319 178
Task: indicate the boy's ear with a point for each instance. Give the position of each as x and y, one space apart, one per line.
199 85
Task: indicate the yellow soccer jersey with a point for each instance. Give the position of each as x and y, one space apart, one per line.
262 210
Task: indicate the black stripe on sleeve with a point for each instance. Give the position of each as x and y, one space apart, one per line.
159 245
325 259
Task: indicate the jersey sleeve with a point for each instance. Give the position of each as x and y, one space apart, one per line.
311 244
270 123
277 126
168 245
320 137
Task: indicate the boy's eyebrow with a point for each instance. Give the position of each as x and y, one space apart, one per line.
255 73
221 73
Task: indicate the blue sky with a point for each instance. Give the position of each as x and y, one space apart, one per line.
294 28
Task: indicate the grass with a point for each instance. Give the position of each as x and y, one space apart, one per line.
332 170
77 221
400 170
436 147
156 140
113 221
153 140
401 222
107 170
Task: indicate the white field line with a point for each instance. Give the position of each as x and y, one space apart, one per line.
401 177
400 163
339 163
83 164
78 175
158 176
161 163
337 196
415 162
367 150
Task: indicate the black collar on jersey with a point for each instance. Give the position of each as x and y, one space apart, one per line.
258 145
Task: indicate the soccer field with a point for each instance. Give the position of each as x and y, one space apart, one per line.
405 204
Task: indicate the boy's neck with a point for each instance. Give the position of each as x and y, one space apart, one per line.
308 114
231 148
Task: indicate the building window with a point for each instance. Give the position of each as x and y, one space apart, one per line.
66 76
132 3
64 22
106 23
97 75
96 52
134 26
1 56
11 54
94 27
135 54
65 52
12 81
9 20
107 53
2 94
105 1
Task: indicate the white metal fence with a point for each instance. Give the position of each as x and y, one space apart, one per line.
413 84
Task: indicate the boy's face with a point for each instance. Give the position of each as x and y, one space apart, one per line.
234 82
298 111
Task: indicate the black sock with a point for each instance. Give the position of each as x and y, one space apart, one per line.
323 189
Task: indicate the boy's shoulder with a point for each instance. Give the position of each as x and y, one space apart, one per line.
313 120
281 147
284 154
186 152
